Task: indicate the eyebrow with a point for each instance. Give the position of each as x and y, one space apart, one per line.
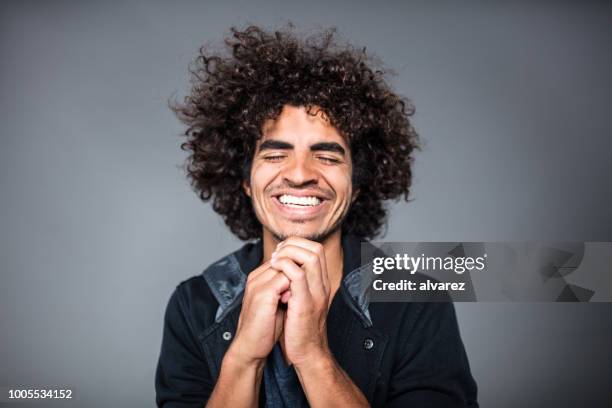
317 147
275 145
328 147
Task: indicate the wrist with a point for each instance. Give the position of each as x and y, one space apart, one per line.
317 360
238 363
238 383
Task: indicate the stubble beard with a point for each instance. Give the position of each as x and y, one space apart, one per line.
319 237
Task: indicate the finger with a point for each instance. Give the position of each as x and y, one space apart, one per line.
278 284
258 278
311 246
261 299
262 276
285 296
267 288
259 270
297 276
311 263
268 295
303 243
279 323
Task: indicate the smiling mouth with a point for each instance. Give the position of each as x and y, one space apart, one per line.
292 201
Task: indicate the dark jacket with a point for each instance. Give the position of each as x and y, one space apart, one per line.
399 354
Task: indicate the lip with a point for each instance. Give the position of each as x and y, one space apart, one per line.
302 193
300 213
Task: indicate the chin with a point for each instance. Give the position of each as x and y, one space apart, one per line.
306 233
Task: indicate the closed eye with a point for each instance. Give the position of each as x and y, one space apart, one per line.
330 160
274 158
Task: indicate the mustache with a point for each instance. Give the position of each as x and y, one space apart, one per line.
326 193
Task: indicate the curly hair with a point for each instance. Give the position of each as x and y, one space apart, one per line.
234 92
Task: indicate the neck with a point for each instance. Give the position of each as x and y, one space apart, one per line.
332 246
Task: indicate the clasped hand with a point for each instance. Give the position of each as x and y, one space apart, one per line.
296 275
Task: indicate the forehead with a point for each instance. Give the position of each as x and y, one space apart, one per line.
297 126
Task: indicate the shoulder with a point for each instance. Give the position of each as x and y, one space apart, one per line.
199 299
192 305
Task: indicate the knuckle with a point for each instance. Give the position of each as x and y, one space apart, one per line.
312 258
260 296
278 264
251 282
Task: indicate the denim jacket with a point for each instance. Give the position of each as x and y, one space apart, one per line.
398 354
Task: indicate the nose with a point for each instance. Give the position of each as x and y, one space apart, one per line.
300 172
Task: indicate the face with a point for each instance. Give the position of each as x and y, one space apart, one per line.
300 182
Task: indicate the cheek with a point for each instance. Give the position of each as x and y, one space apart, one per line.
343 184
262 176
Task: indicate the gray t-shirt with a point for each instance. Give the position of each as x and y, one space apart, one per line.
281 383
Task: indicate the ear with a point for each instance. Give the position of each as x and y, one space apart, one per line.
246 186
355 195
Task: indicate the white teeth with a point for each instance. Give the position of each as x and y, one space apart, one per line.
290 199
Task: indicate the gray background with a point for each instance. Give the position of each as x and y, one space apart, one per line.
98 224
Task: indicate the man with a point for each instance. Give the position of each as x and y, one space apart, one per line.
298 143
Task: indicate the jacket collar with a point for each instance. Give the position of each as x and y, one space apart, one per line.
227 278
